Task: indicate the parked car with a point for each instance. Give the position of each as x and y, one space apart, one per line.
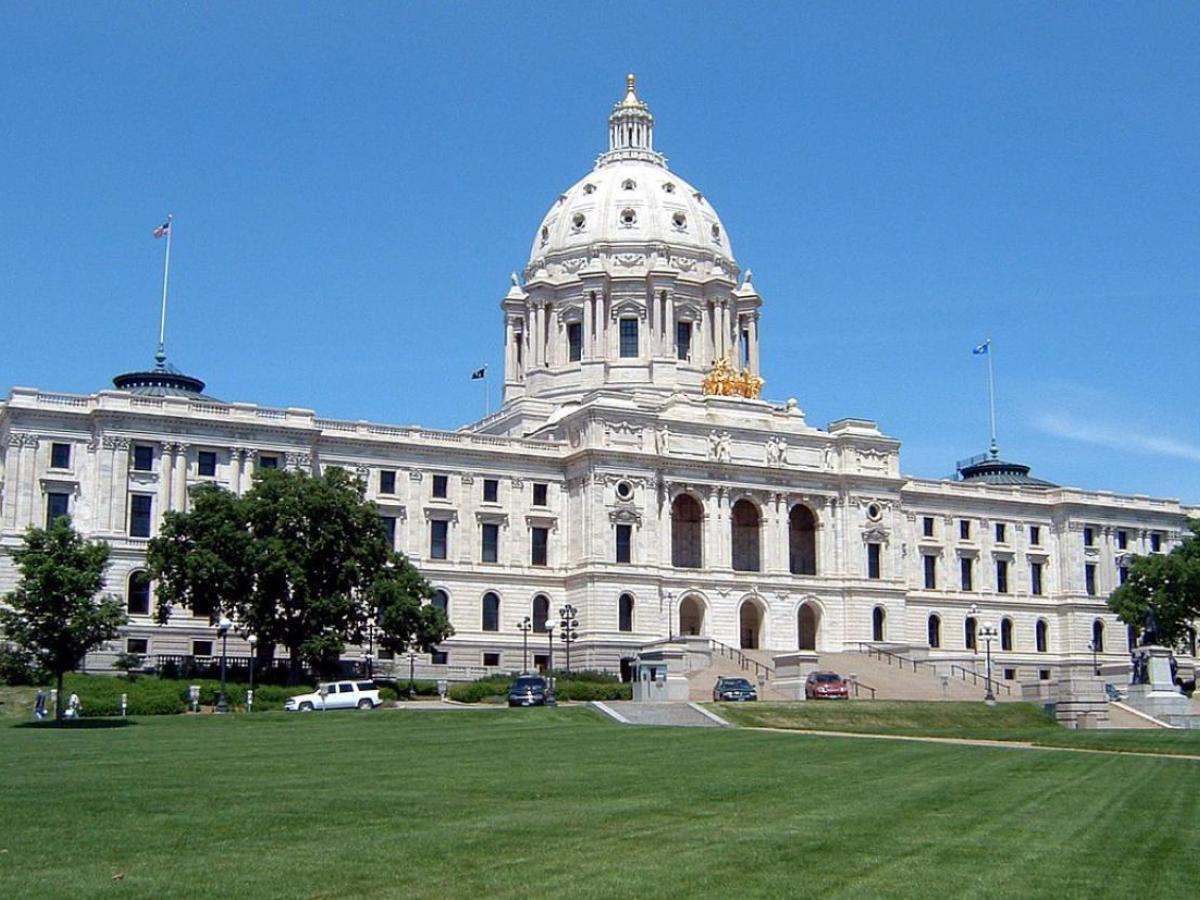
826 686
336 695
528 690
734 689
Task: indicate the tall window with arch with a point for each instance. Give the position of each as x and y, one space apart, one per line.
441 600
491 611
687 533
802 541
970 629
137 601
1041 636
878 623
1098 636
541 613
625 613
934 628
1006 634
744 535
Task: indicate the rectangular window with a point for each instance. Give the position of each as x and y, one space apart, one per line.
1089 579
206 464
438 531
1035 579
1002 576
201 648
1001 533
540 662
1122 574
964 529
441 484
966 567
140 506
745 343
539 493
491 490
1035 535
683 340
60 456
574 341
624 543
491 660
629 338
268 462
539 538
387 481
1089 537
874 557
927 526
1122 539
1043 674
930 572
1010 674
140 646
143 458
439 658
490 542
1155 543
57 505
389 526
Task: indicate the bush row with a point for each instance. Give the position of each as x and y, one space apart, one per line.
492 689
149 696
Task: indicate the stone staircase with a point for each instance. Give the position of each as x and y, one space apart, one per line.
892 682
687 715
701 681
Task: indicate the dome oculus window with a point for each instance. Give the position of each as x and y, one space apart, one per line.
578 221
589 189
716 232
628 184
545 234
874 512
628 218
624 490
679 220
669 187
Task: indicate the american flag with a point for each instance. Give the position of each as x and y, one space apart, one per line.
163 229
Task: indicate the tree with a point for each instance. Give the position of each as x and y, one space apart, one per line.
298 561
406 619
1168 584
56 614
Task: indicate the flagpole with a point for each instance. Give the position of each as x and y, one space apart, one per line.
992 398
161 356
487 394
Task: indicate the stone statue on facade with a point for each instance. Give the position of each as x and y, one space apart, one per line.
662 440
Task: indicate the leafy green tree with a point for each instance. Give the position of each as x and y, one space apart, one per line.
56 614
1168 584
406 619
296 561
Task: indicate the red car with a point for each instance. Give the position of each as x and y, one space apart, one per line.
826 686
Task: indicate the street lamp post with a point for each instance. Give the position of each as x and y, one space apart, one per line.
412 663
370 654
223 627
989 633
525 626
568 625
551 699
1095 662
670 598
252 640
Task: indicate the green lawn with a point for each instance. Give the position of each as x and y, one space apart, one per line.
524 803
1002 722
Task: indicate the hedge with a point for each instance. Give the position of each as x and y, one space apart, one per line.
492 689
149 696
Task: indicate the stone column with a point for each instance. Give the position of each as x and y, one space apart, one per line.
753 328
249 458
119 483
235 469
179 492
510 360
166 463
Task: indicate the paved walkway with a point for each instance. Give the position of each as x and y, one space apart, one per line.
972 742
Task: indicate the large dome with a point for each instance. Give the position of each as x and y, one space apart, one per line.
630 200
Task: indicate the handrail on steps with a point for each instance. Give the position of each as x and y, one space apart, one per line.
858 685
741 659
961 672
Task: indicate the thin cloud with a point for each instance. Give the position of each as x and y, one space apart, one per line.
1116 438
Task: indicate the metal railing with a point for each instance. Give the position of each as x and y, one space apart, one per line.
746 662
956 671
858 685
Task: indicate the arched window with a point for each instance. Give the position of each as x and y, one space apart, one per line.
137 601
541 612
1041 633
808 624
750 625
970 627
491 612
802 541
935 632
691 616
625 613
1006 634
744 521
441 600
687 533
1098 636
878 621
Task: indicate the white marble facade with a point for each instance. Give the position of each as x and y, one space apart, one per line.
740 520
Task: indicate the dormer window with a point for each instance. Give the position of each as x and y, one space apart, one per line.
716 232
628 184
679 220
589 188
669 187
545 233
628 218
578 221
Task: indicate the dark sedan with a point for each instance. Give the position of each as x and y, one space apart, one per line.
734 689
528 690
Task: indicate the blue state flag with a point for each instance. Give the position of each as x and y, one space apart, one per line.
982 348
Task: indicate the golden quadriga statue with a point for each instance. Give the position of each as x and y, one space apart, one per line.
726 381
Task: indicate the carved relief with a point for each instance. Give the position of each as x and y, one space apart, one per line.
718 446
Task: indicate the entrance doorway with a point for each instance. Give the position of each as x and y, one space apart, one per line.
691 616
750 626
809 620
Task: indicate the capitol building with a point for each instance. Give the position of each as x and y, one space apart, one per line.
634 470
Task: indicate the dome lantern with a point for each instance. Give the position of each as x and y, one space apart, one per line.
631 129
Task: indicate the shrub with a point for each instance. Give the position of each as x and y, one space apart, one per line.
492 688
17 666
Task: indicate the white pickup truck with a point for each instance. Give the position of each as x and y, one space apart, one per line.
336 695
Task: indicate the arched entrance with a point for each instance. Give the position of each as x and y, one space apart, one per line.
687 533
808 622
802 541
750 622
691 616
744 522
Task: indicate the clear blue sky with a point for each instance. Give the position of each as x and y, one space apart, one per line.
904 179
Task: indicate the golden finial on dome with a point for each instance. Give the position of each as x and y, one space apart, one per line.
631 98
